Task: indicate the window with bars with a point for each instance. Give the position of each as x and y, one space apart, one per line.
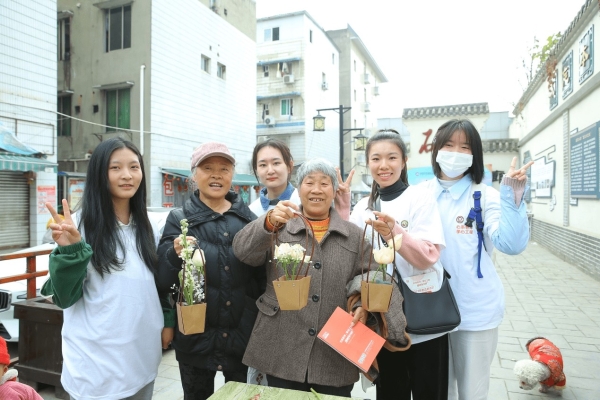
64 123
287 107
265 71
117 109
64 39
118 28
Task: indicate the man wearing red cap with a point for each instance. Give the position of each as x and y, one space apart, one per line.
10 389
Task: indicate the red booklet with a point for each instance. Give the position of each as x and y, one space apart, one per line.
358 344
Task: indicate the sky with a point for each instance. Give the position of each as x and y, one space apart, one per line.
442 52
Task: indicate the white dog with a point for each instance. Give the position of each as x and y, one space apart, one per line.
545 366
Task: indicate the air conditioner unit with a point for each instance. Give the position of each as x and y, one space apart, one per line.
367 107
375 90
324 86
367 79
288 79
269 120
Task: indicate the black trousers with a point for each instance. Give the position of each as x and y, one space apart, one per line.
342 391
199 383
421 370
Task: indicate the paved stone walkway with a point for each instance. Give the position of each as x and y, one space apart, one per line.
545 296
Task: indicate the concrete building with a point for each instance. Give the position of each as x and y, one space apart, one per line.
297 73
27 120
557 120
182 75
360 80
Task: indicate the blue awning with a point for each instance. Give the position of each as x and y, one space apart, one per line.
10 143
16 162
238 179
279 60
278 95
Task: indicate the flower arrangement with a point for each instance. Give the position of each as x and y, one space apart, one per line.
192 288
291 258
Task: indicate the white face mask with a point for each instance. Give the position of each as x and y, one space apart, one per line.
454 164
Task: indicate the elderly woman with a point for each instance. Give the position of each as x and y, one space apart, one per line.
284 344
215 215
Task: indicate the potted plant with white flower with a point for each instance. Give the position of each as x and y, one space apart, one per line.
191 304
292 287
376 293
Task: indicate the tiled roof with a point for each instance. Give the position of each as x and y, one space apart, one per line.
446 111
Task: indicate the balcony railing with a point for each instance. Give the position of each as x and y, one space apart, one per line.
30 272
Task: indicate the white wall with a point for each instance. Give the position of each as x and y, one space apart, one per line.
318 61
28 87
585 216
190 106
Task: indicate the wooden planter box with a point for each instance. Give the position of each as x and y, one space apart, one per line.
40 344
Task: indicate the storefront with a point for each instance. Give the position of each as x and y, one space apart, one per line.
19 186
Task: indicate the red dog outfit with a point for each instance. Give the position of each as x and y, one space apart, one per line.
544 351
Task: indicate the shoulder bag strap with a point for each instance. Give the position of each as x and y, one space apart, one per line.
476 215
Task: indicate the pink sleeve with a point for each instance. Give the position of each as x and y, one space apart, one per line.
342 205
421 254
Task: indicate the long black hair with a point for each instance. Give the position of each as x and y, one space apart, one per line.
392 136
443 135
98 215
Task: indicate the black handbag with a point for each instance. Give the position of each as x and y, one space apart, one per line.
429 313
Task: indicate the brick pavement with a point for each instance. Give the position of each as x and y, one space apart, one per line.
545 296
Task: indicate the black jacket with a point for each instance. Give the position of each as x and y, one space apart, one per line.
232 286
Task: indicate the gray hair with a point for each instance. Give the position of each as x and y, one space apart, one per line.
320 165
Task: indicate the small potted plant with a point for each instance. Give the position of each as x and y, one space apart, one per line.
191 303
376 294
291 288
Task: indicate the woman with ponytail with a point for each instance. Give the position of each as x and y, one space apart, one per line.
394 208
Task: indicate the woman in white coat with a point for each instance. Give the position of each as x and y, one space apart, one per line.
457 160
422 370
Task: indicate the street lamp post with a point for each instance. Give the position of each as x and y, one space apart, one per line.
319 126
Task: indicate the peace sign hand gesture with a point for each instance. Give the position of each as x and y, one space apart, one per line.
65 233
521 173
344 186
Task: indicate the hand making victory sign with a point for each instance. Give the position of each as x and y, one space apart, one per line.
344 186
520 173
65 233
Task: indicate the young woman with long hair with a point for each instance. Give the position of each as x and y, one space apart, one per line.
102 275
395 208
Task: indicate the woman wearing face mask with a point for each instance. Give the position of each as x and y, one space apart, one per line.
457 160
422 370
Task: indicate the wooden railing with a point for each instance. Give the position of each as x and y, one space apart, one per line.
30 273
